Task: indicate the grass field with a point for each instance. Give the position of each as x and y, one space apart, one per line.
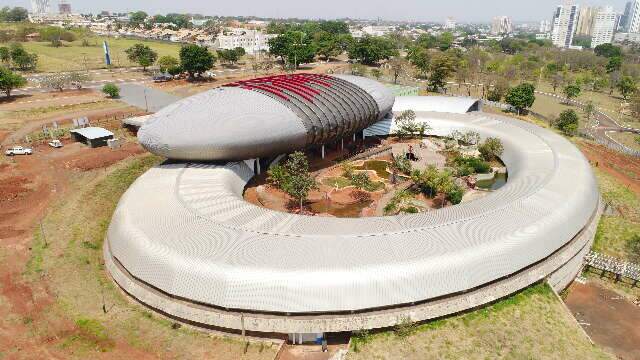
529 325
74 56
72 261
615 233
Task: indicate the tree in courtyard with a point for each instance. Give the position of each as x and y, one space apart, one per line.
111 90
167 62
142 55
195 59
626 86
491 148
571 91
10 80
408 126
568 122
326 44
521 97
293 177
441 67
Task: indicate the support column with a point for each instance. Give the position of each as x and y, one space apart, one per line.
342 144
258 170
354 137
323 151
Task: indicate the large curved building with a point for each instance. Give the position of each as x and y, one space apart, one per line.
184 241
266 116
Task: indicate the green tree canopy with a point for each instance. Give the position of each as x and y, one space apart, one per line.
370 50
441 67
521 97
167 62
111 90
195 59
571 91
608 50
21 58
293 177
10 80
627 86
137 18
142 55
293 47
491 148
568 122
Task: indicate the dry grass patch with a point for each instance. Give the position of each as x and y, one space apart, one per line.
532 324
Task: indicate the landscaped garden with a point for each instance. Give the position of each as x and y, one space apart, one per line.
409 172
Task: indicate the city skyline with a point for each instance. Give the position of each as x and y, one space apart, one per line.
460 10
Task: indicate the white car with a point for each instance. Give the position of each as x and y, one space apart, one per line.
18 150
55 143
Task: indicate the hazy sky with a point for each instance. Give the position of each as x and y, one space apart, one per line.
420 10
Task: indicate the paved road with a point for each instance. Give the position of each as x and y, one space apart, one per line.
146 98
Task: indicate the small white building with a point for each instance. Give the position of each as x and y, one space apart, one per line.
252 41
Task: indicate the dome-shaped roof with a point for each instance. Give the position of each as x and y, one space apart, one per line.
265 117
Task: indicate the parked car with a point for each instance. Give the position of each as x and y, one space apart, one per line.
55 143
18 150
162 77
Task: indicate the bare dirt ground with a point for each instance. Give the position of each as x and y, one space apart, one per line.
624 168
607 317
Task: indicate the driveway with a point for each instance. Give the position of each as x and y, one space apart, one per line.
146 98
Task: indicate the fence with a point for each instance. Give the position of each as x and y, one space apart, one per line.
621 269
62 131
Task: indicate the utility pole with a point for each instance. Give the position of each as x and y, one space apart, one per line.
146 104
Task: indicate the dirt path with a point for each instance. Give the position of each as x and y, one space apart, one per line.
610 319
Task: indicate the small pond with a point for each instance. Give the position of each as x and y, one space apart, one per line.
494 184
379 166
340 210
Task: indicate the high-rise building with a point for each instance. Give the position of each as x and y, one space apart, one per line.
450 24
40 6
501 25
604 25
585 20
622 26
632 24
545 26
565 20
64 7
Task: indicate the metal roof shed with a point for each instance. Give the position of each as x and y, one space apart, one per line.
92 136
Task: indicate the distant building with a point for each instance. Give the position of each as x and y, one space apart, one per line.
565 20
632 24
252 41
450 24
501 25
604 26
586 19
545 26
627 37
64 7
40 7
622 26
378 30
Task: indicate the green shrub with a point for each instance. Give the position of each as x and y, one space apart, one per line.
111 90
568 122
491 149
